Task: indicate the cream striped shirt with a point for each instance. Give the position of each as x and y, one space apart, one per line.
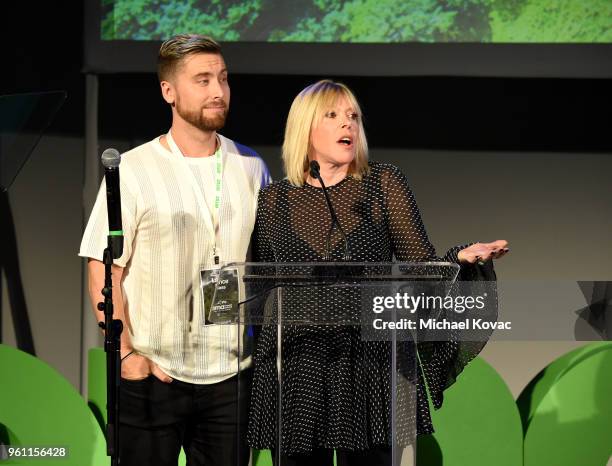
169 237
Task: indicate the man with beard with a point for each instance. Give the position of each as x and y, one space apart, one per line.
188 201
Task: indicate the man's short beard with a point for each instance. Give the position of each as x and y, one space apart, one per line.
197 119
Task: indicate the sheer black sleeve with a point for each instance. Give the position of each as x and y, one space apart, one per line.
409 240
408 236
262 249
441 361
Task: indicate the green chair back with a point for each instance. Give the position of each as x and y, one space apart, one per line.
478 424
567 410
39 407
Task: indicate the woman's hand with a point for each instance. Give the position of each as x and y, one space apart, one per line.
481 252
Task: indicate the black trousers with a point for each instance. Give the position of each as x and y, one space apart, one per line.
373 457
208 421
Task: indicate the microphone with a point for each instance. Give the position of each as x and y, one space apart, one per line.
111 160
315 172
315 169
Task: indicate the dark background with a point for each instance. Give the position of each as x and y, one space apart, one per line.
43 51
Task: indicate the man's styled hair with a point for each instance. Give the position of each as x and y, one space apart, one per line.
307 111
173 51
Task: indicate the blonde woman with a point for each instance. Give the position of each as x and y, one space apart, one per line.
336 390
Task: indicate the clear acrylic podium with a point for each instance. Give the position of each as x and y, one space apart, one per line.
335 357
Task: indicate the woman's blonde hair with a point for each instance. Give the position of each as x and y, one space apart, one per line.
307 110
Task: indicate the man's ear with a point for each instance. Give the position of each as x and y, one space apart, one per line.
168 92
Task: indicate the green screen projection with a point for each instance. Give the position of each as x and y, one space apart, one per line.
362 21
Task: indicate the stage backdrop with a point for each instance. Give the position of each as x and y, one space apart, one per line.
363 37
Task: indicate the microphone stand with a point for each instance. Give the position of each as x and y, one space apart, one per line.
337 271
315 173
112 347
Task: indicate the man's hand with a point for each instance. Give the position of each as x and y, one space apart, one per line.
138 367
481 252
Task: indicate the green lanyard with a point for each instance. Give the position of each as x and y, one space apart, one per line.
218 189
218 155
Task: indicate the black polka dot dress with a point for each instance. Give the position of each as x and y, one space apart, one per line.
336 386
